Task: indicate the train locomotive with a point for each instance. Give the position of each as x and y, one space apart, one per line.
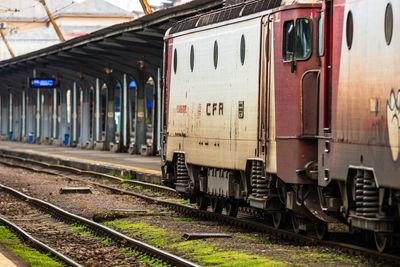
291 108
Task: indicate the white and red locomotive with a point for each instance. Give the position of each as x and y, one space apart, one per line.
289 107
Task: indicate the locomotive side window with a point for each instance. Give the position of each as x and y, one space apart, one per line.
288 40
215 54
191 58
321 35
175 60
349 30
388 23
303 38
242 49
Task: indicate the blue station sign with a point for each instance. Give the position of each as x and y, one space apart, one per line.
42 83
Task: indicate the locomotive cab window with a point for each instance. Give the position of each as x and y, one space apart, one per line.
297 39
303 38
288 40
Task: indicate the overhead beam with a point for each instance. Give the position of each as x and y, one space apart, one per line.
126 59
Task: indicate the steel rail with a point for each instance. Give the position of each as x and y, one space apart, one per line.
257 226
100 229
36 243
145 185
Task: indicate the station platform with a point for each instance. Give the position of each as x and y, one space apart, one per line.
9 259
141 167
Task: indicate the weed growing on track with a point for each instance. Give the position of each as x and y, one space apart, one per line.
132 186
181 218
203 252
181 201
127 185
127 251
31 256
125 177
80 229
108 242
143 257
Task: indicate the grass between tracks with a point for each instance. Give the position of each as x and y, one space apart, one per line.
199 250
31 256
81 230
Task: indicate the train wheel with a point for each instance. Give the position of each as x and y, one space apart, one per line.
232 207
381 241
201 202
321 229
295 224
192 199
216 205
277 218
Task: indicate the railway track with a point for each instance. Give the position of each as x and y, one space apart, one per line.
91 226
37 243
242 221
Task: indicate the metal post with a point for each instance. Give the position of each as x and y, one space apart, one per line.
110 113
81 119
38 113
10 115
1 114
85 117
97 116
23 115
158 109
46 123
74 112
54 113
16 131
5 116
30 114
140 129
124 112
63 129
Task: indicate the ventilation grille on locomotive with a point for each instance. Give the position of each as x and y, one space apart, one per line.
226 13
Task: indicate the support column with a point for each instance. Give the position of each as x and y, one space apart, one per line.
124 128
4 116
1 114
85 118
63 117
16 118
46 117
30 115
97 115
110 114
157 108
140 129
74 113
23 115
10 118
38 109
54 136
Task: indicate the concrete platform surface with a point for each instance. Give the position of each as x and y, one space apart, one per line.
151 165
9 259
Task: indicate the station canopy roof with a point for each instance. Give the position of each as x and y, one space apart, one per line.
121 48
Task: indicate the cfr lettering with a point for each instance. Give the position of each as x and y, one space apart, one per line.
211 109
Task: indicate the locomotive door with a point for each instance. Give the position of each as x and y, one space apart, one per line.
266 118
